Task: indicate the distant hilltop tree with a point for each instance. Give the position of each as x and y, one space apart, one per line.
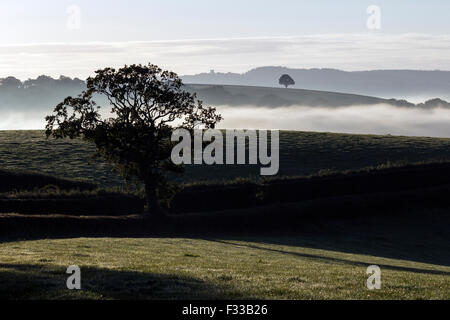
286 80
147 104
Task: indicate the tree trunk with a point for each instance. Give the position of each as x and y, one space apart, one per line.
153 207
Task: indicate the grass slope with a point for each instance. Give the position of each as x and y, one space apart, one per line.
326 260
274 97
301 153
235 95
317 259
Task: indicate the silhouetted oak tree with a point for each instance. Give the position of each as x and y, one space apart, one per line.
286 80
147 104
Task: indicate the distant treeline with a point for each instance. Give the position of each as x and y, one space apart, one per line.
44 93
37 94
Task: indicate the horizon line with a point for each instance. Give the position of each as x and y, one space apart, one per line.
243 73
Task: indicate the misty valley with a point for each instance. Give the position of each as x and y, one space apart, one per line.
214 159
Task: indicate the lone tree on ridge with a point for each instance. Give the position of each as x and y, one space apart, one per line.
286 80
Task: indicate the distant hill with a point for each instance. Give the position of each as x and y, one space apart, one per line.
44 93
403 84
278 97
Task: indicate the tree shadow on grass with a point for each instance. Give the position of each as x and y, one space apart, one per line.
25 281
422 237
333 260
412 235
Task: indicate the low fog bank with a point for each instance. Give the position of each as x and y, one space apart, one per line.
373 119
35 120
21 120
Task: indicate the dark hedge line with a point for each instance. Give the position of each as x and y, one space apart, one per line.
99 205
19 180
247 194
217 197
430 204
213 198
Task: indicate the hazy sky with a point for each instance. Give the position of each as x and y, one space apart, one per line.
189 36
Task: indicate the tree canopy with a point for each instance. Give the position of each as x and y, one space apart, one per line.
286 80
146 104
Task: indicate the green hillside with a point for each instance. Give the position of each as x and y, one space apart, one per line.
301 153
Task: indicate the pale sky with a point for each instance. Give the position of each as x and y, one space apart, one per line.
76 37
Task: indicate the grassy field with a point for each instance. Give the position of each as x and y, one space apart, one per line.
301 153
320 258
326 260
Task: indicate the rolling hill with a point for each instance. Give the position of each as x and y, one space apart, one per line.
43 93
277 97
401 84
